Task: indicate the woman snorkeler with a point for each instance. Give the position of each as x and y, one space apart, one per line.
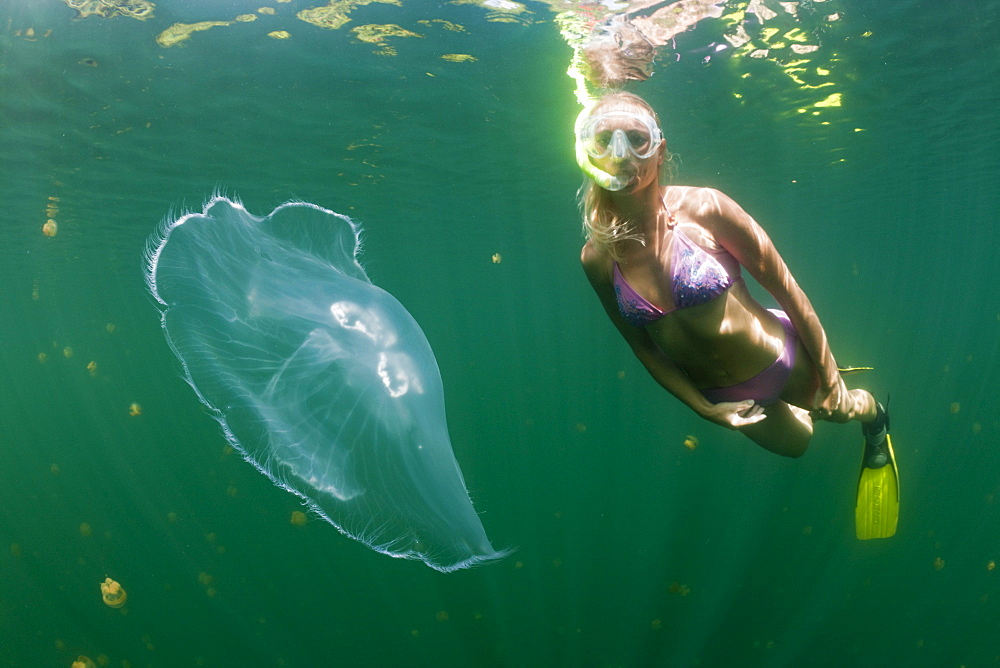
666 263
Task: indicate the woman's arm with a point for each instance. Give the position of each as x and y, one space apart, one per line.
747 241
663 370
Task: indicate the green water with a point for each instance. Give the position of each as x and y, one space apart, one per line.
631 549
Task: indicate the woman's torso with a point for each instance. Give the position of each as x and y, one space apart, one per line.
728 336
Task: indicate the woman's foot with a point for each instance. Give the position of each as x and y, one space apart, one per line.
876 454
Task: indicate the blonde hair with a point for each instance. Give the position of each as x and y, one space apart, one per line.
602 226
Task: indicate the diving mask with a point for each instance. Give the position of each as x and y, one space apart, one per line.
618 134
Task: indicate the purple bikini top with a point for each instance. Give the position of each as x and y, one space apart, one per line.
698 276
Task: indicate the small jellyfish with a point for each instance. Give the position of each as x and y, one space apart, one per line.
497 258
678 588
279 34
298 518
92 368
938 563
85 530
50 228
134 409
83 662
691 442
112 593
990 565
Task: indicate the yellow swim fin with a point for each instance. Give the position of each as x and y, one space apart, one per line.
877 510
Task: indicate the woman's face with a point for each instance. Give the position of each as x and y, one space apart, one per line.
625 144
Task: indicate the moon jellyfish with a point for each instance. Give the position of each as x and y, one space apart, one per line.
322 380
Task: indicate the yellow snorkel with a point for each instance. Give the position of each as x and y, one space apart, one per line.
575 30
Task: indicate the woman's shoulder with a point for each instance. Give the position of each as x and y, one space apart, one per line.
591 256
710 208
596 263
696 200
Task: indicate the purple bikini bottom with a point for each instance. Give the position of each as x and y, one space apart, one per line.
766 387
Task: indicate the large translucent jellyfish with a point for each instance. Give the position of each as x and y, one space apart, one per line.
322 380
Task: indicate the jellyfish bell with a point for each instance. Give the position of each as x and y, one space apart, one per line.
113 594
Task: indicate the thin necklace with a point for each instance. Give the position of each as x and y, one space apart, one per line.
671 219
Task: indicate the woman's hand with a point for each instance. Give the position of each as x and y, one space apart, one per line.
832 402
735 414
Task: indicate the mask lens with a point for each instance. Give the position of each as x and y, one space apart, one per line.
619 133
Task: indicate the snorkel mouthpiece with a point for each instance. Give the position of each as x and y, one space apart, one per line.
598 175
612 183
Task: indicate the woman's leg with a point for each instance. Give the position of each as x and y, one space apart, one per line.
785 431
860 406
803 383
